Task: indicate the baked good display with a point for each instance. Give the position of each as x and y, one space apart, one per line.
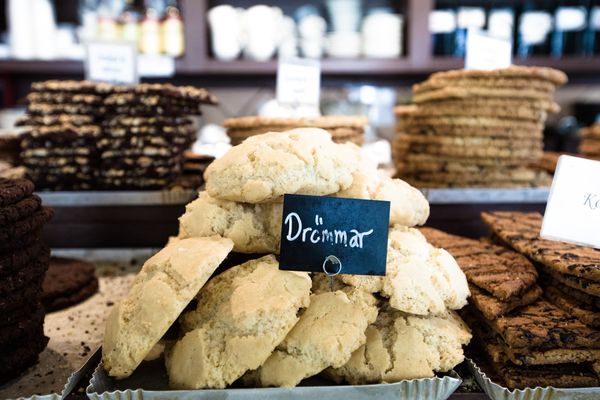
342 128
590 142
83 135
23 263
472 128
529 327
68 282
256 325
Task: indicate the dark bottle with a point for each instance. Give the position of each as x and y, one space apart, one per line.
534 31
442 26
570 22
592 33
467 18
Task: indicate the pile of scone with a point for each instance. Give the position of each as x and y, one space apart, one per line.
473 128
342 128
85 135
590 142
260 326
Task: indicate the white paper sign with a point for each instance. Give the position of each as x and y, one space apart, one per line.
486 52
573 209
113 62
299 82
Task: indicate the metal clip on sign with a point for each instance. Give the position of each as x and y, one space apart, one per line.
334 261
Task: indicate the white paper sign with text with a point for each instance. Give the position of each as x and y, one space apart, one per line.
486 52
112 62
299 82
573 209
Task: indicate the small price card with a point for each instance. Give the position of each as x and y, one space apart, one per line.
334 235
573 209
299 82
486 52
112 62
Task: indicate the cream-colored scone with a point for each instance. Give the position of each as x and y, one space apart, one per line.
241 316
254 228
326 335
264 167
420 279
408 206
166 284
405 347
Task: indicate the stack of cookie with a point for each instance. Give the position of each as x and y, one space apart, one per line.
272 327
342 128
590 142
479 128
146 133
59 149
532 336
529 341
68 282
23 263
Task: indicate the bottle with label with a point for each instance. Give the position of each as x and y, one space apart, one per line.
172 33
535 26
129 20
442 26
570 22
108 28
467 18
501 22
149 39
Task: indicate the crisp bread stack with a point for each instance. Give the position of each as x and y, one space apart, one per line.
83 135
590 142
500 279
342 128
145 134
477 128
557 335
23 264
59 147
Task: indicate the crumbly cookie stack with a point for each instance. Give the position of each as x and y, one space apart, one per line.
590 142
534 330
342 128
479 128
59 149
272 327
23 263
145 134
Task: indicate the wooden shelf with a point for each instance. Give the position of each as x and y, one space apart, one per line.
41 67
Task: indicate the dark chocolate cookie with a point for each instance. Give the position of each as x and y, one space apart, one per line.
22 302
72 298
11 261
25 276
67 275
13 363
24 329
14 190
20 242
27 225
19 210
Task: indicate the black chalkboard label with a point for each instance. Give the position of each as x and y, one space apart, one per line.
353 231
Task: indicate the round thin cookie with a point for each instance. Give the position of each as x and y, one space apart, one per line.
514 71
437 83
24 226
68 281
473 130
449 92
19 210
14 190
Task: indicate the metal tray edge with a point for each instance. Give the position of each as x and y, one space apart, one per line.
497 392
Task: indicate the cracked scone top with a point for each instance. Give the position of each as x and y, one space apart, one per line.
401 346
166 284
241 316
420 279
330 329
264 167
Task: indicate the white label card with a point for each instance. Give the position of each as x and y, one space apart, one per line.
573 209
486 52
112 62
299 82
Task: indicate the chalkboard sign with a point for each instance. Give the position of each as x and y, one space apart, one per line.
318 231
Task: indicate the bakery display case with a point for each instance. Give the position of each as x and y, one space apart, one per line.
405 227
